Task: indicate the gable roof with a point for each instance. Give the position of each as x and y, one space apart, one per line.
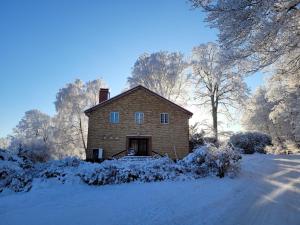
139 87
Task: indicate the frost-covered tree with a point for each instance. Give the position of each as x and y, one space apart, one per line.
70 121
276 109
163 73
32 134
284 93
217 85
258 109
256 116
259 31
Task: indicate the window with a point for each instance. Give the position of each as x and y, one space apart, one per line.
164 118
139 117
114 117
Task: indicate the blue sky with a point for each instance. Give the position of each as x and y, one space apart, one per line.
46 44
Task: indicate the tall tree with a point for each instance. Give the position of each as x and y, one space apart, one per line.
217 85
163 73
71 123
257 31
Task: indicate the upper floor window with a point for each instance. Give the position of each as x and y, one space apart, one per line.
114 117
164 118
139 117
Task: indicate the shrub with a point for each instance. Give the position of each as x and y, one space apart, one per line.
17 173
121 171
14 172
251 142
196 140
288 147
212 160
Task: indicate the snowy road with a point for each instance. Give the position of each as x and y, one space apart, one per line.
266 193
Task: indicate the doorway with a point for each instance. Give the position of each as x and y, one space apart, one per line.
141 145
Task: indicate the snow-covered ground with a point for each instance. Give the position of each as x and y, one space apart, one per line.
266 192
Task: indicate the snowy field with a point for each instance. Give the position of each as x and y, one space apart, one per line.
266 192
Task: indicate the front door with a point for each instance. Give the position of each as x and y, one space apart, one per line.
140 145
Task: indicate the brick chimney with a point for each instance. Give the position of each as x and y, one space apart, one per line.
103 94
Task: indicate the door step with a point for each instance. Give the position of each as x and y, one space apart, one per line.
136 158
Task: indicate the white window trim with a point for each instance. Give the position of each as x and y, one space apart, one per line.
112 117
164 118
138 118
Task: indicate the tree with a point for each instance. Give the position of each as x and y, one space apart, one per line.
257 31
163 73
32 134
276 110
256 115
71 123
217 85
284 93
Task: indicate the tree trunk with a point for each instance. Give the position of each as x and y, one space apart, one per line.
214 111
215 122
82 136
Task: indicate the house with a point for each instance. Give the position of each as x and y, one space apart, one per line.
138 120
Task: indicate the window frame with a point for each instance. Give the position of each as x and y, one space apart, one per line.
113 119
139 119
164 118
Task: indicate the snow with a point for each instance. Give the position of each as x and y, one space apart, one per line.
266 192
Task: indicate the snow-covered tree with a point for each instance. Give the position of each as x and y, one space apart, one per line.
284 93
276 109
32 134
257 31
217 85
70 122
163 73
257 113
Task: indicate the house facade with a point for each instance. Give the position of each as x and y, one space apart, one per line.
139 121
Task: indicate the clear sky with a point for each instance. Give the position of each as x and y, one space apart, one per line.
46 44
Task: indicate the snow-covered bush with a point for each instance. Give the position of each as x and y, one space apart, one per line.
60 169
122 171
14 172
17 171
288 147
212 160
196 140
250 142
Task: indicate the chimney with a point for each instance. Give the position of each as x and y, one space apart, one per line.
103 94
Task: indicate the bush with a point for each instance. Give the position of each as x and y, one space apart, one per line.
288 147
121 171
211 140
17 173
14 172
251 142
212 160
196 140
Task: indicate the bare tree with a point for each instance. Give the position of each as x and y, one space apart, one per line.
163 73
217 85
